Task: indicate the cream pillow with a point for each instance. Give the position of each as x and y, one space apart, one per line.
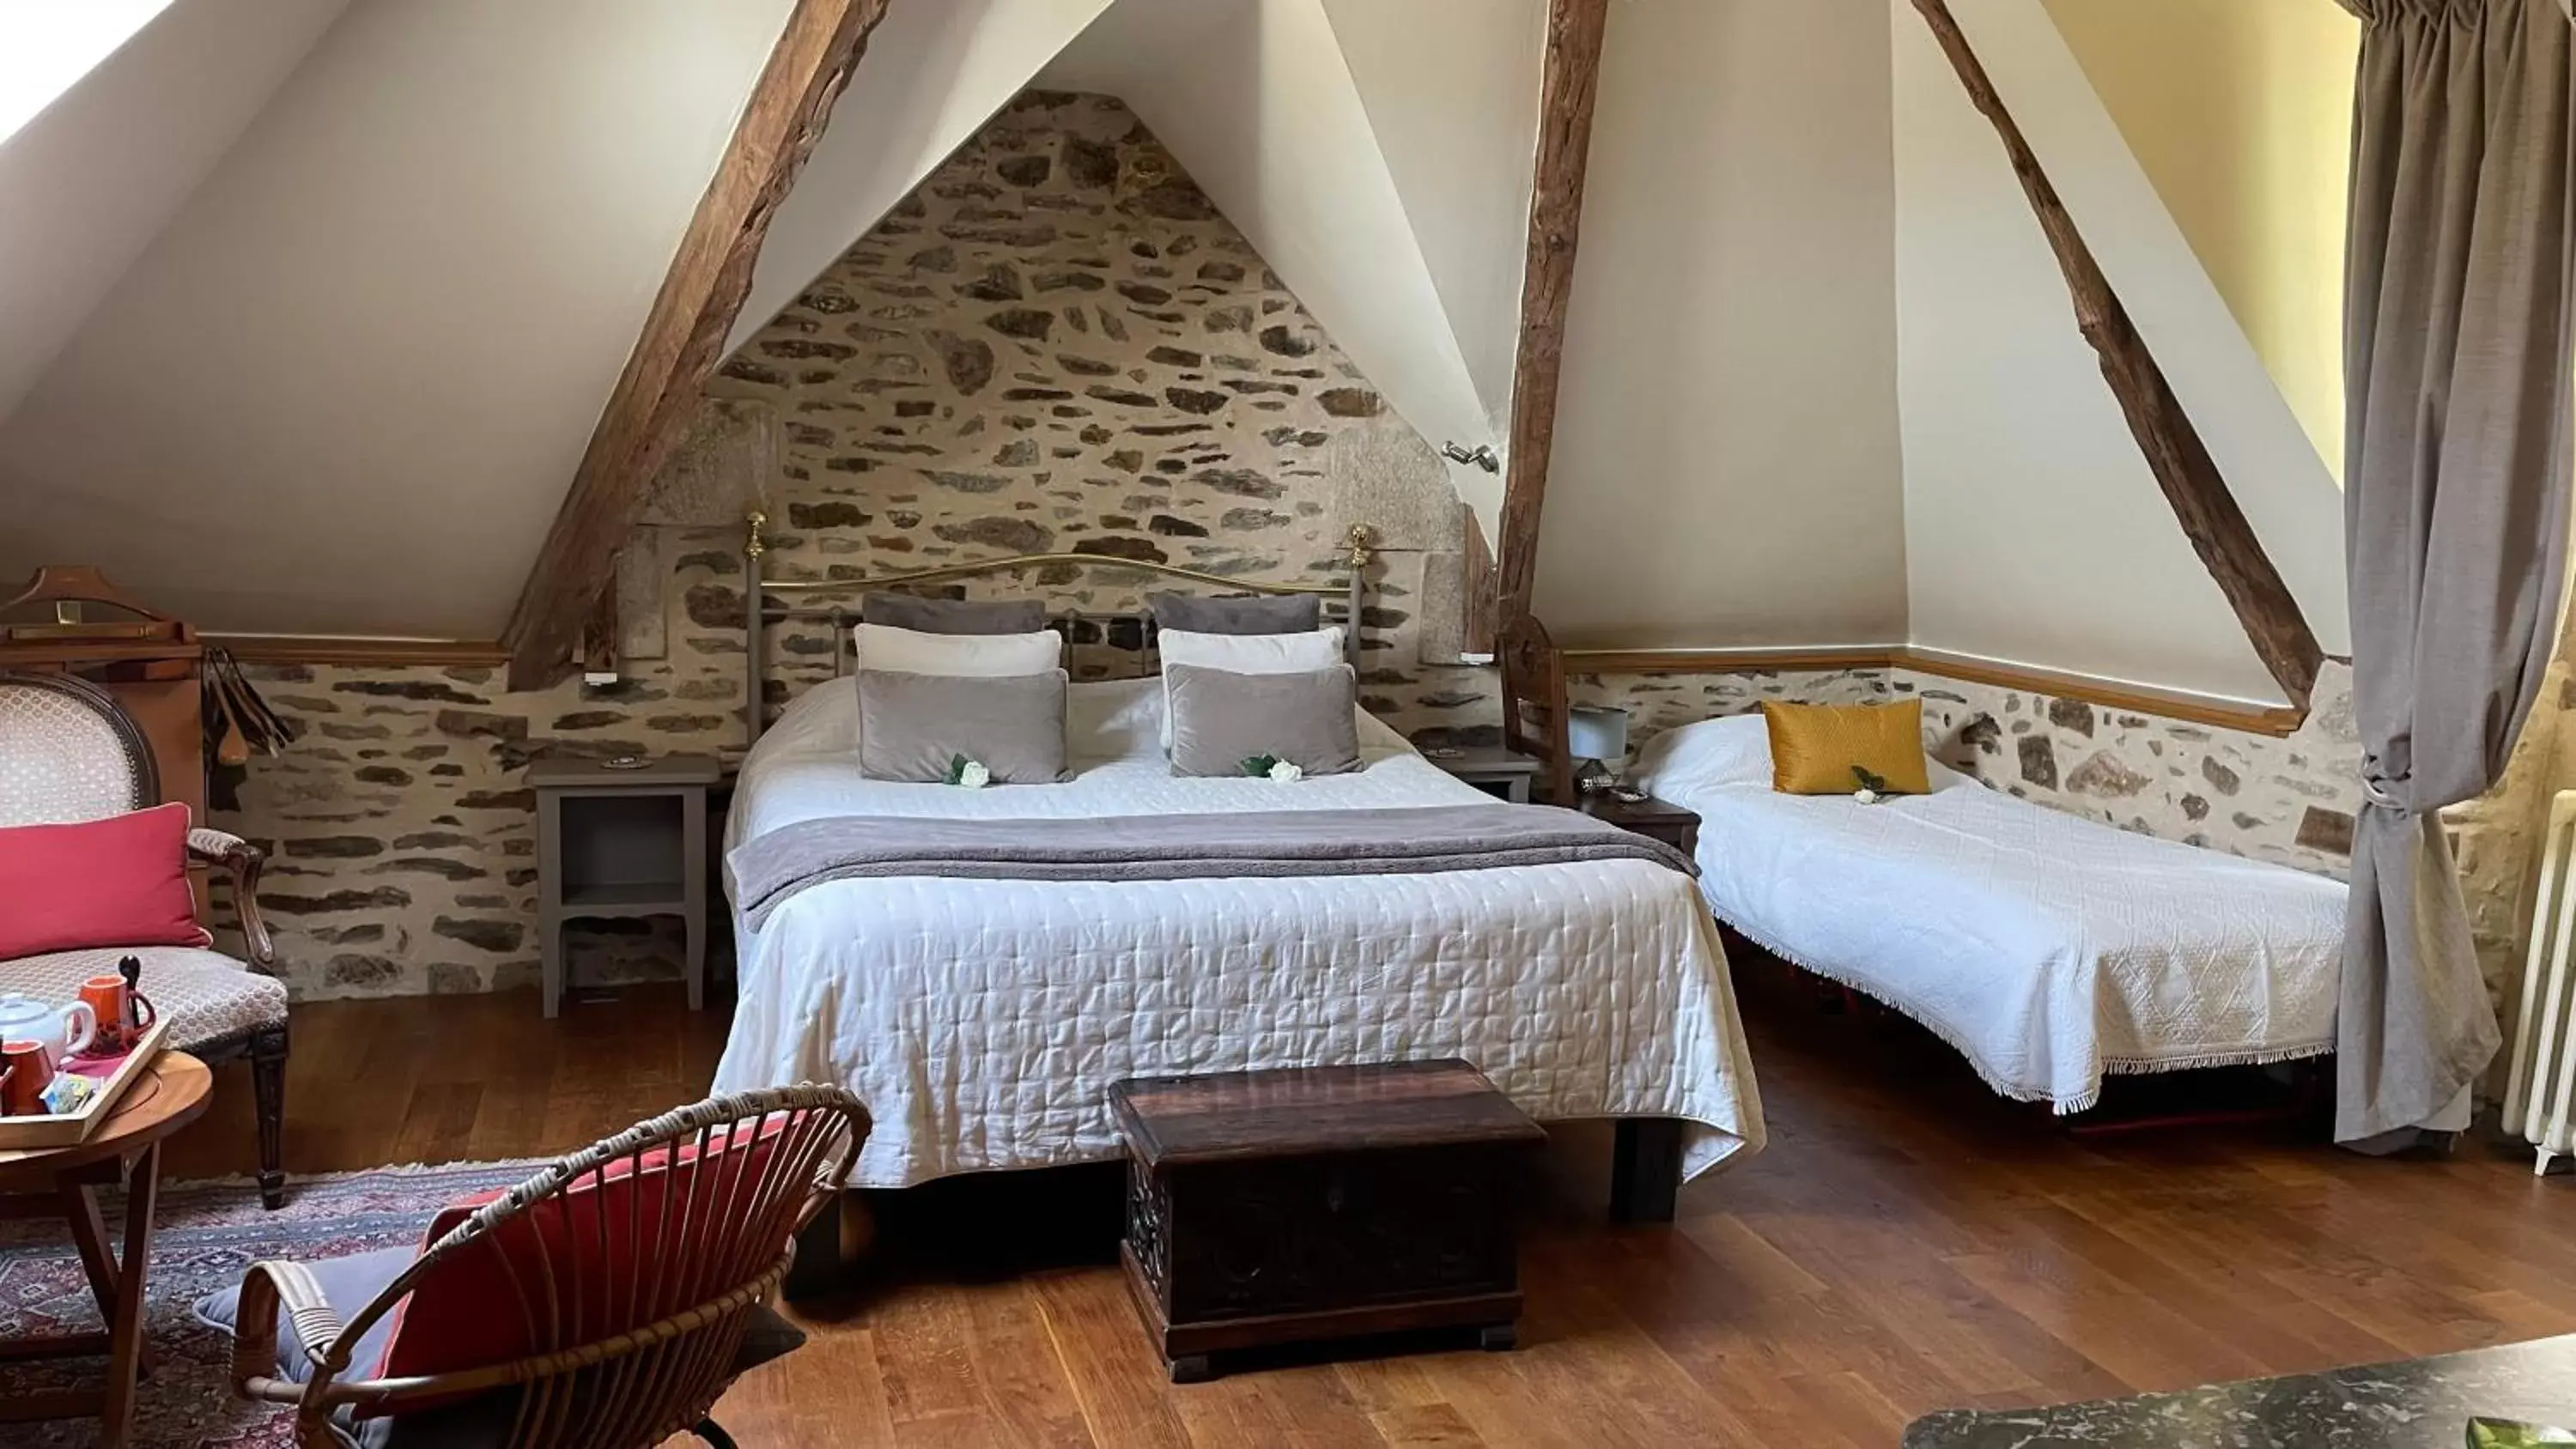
1254 653
1246 654
959 656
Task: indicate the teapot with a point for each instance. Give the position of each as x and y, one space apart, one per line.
63 1030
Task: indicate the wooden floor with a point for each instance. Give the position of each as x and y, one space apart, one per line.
1906 1243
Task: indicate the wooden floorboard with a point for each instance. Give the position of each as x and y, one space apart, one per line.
1907 1243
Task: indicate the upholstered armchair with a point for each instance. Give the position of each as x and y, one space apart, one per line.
69 754
606 1302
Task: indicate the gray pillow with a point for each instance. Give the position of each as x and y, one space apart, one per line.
953 616
1260 614
1220 719
914 726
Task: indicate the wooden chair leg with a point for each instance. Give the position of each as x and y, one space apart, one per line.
268 1088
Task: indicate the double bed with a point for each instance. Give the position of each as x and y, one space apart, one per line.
2048 949
982 1020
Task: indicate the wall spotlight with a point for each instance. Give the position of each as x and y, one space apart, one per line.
1482 456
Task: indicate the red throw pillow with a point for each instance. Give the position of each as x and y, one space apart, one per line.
468 1312
121 881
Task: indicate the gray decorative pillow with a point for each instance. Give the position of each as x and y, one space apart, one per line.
914 726
953 616
1220 719
1260 614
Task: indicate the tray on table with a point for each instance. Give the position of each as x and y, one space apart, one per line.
66 1129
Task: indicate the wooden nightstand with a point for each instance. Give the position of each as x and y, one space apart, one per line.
1660 819
1494 770
616 842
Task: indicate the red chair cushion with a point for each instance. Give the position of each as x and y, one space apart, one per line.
121 881
485 1304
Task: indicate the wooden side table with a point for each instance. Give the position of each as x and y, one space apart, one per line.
622 842
1660 819
1494 770
64 1181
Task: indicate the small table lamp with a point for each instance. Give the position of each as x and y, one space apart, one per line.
1596 737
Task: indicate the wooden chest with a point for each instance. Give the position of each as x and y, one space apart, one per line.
1324 1202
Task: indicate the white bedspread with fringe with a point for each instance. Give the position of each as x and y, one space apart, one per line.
2048 949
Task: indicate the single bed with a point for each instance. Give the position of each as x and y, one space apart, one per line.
982 1021
2049 950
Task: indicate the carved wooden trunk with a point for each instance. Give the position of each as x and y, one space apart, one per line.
1325 1202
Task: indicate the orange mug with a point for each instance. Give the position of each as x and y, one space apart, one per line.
22 1087
124 1013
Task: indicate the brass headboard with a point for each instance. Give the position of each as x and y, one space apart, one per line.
1359 547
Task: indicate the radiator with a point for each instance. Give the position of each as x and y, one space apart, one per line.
2537 1094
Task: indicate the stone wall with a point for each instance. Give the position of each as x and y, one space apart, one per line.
2286 800
1056 344
401 833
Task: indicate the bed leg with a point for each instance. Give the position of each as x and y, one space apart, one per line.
828 1251
1645 1170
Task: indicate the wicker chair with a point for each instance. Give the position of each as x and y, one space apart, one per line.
610 1350
69 753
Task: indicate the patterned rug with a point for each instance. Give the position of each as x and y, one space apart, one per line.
206 1234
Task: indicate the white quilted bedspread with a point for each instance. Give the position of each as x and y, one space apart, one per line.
2048 949
982 1021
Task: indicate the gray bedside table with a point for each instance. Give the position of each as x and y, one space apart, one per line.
622 843
1494 770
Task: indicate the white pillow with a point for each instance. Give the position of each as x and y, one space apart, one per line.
1735 750
968 656
1254 653
1248 654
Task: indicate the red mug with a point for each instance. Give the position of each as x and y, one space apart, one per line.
124 1013
30 1072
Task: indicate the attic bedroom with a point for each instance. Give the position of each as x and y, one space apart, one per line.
1121 722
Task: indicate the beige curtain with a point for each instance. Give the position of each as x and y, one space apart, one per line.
2456 349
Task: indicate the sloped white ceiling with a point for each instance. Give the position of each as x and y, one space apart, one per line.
1726 469
1256 100
105 130
2035 532
346 388
1452 91
933 74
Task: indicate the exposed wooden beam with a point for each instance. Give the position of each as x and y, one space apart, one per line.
1572 76
684 335
2192 484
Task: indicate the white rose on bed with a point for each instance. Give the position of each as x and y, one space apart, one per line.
1286 772
970 774
1271 767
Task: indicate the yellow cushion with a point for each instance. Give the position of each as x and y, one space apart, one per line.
1816 747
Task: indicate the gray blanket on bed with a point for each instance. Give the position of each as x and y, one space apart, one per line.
773 867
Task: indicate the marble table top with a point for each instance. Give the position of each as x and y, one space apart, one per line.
2422 1403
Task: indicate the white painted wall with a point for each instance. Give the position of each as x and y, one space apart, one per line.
105 128
1727 468
2034 531
933 74
347 387
1254 98
1452 91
